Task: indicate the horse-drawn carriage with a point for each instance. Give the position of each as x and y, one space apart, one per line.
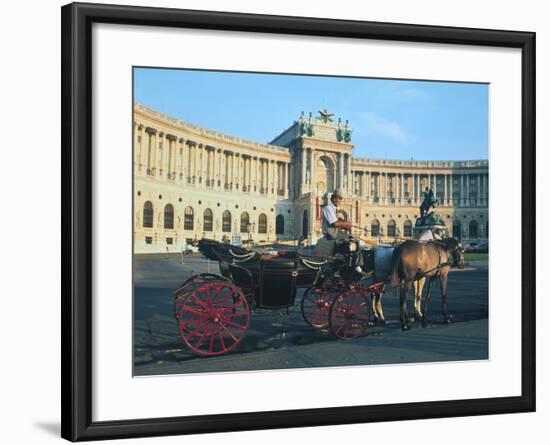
213 311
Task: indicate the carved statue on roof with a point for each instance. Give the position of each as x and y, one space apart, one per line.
325 115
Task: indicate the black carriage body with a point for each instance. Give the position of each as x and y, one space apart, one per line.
271 281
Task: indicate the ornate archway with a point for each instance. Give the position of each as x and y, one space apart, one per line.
324 175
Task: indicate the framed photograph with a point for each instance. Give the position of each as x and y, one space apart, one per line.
258 210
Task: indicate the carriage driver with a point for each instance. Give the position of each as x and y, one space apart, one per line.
331 230
331 224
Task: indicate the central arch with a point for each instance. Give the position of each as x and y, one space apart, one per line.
325 175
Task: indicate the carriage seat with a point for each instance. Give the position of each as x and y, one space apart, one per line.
325 247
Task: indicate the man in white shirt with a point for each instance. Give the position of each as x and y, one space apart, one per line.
331 224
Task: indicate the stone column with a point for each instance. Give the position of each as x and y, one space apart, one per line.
312 171
234 170
275 178
304 167
485 189
250 174
478 189
445 190
369 185
462 190
137 148
451 198
184 160
286 180
468 189
164 150
143 149
197 166
340 176
290 180
153 154
169 156
258 175
402 189
214 181
190 162
386 188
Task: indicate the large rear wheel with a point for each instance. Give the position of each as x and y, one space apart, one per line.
213 318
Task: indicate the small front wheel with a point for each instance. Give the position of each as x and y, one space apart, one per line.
349 315
315 306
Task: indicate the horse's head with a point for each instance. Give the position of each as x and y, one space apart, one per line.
456 250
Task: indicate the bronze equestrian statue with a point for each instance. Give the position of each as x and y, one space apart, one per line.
428 202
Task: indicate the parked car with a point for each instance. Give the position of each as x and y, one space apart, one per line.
471 248
483 248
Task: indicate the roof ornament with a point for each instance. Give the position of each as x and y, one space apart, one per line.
326 116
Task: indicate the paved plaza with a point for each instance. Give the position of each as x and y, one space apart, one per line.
281 339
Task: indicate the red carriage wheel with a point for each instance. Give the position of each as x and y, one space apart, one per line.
190 284
213 318
315 306
349 314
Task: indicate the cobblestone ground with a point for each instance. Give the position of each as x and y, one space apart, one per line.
281 339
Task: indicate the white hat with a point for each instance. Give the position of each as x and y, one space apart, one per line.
338 192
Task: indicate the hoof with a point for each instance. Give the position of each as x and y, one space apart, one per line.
448 320
406 328
382 322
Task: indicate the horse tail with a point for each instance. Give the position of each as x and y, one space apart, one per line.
395 263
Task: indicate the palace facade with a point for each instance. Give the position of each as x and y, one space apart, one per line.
191 182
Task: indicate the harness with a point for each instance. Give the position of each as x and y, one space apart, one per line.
438 245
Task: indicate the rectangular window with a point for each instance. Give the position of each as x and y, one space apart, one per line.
169 240
148 240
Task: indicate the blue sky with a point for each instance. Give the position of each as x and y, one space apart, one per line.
392 119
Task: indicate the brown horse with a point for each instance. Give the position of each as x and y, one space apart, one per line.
416 260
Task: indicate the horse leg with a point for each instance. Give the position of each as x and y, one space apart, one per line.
427 301
373 308
378 304
405 287
443 283
418 287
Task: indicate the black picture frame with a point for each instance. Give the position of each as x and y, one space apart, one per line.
77 20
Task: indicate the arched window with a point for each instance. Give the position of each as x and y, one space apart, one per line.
487 229
305 224
391 228
148 214
208 220
245 220
280 225
457 229
169 216
226 221
473 232
262 223
407 228
188 218
375 228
